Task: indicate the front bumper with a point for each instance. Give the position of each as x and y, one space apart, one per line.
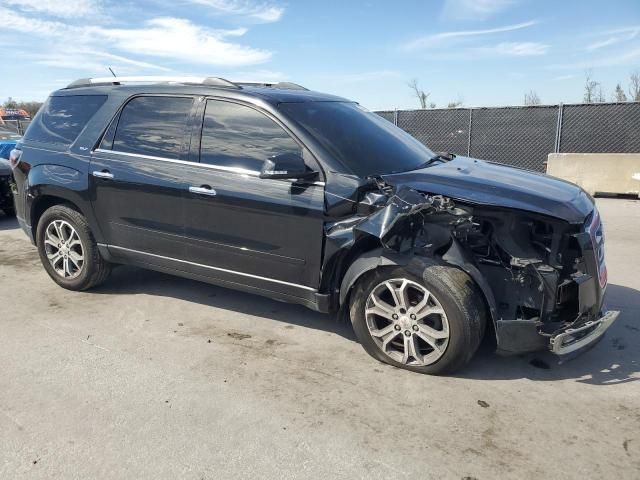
573 338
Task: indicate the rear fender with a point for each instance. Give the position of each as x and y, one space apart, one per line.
50 183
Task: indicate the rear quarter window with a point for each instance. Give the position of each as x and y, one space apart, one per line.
61 119
153 126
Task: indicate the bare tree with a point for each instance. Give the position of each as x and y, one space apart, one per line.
634 87
455 104
619 95
30 107
531 98
591 88
10 103
419 93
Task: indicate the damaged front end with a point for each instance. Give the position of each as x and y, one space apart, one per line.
543 278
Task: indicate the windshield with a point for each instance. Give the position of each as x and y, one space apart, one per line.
362 141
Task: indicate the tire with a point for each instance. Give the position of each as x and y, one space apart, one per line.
9 212
454 309
91 271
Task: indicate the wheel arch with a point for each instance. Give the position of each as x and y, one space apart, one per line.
365 262
454 257
50 185
46 199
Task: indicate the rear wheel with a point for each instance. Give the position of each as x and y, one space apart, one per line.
429 325
68 251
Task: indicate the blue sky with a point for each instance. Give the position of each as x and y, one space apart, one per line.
483 52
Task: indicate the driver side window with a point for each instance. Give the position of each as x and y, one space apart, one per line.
236 136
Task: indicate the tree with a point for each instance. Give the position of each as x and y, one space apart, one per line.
634 87
591 88
618 95
531 98
455 104
10 103
30 107
419 93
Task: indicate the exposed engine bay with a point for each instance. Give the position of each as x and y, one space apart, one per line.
541 276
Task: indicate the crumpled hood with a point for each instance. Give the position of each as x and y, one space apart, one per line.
486 183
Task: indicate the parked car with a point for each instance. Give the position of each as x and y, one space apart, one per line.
6 198
309 198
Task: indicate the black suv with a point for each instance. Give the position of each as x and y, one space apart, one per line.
309 198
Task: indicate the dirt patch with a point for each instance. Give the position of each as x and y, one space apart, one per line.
14 253
238 336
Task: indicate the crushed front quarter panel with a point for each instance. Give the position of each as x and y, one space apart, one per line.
538 273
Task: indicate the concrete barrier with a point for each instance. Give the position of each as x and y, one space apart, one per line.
598 173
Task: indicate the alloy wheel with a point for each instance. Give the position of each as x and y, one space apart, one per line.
64 249
407 322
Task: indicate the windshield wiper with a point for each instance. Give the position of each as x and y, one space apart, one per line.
445 156
438 157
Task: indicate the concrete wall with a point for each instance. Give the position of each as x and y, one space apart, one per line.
598 172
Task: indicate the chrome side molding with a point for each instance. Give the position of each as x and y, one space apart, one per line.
225 270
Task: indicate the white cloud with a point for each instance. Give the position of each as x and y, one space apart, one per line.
439 39
628 58
166 37
617 36
179 39
259 11
92 61
473 9
56 8
517 49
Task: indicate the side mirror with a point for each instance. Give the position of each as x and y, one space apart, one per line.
286 165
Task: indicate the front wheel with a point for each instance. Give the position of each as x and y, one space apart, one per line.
68 250
432 324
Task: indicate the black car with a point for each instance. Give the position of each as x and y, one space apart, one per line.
8 141
6 200
309 198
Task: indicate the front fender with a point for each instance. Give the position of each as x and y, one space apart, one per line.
369 261
373 259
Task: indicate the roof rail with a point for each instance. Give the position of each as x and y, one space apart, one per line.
283 85
208 81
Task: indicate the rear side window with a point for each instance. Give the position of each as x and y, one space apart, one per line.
153 126
240 137
61 119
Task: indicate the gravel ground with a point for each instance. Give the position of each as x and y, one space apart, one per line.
152 376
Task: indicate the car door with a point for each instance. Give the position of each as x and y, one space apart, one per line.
136 178
262 232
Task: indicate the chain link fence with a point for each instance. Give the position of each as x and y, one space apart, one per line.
524 136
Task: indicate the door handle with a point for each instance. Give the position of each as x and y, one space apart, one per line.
103 174
204 190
